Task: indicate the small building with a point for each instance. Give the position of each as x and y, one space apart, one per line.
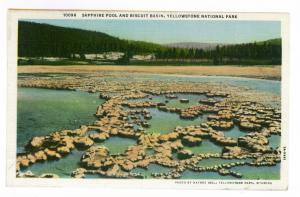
147 57
113 55
94 56
53 59
104 56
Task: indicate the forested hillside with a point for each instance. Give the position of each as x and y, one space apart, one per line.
53 41
43 40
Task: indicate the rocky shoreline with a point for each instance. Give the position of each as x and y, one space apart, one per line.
123 115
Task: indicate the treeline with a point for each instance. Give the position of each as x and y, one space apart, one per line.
229 53
42 40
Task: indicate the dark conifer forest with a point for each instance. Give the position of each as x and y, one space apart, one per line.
43 40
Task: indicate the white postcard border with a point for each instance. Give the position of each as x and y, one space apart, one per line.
15 15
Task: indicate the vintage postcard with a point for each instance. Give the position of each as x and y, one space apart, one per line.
190 100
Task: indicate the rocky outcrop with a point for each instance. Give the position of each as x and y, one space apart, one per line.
99 137
41 156
83 142
135 153
168 137
27 174
126 165
95 157
79 173
52 154
49 175
124 114
248 126
221 125
255 142
140 104
63 150
191 141
35 143
184 154
191 112
219 138
195 131
233 152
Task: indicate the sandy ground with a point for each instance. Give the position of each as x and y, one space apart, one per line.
270 72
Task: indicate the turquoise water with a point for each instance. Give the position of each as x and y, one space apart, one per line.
235 132
63 167
259 173
165 122
205 147
263 85
41 111
193 100
270 86
274 141
117 145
